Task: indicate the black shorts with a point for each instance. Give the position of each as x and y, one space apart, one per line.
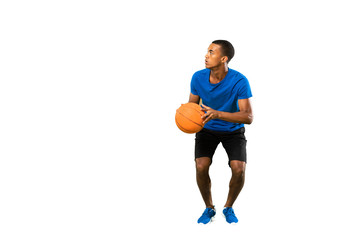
206 142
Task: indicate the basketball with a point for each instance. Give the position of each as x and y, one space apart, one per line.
188 118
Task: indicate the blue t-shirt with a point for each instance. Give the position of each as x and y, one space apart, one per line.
222 96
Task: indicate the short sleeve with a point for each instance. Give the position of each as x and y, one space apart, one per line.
194 85
244 91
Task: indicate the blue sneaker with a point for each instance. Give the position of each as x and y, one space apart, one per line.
207 216
230 215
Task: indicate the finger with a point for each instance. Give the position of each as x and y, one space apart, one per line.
204 107
208 118
205 115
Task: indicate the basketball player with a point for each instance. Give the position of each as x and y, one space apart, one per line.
225 97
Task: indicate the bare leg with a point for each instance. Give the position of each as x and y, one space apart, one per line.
236 182
203 180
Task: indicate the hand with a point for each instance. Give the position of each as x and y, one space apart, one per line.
210 113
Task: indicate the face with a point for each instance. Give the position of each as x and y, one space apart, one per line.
214 57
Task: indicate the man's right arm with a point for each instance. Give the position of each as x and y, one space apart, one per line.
194 98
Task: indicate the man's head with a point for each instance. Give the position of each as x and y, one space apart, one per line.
219 52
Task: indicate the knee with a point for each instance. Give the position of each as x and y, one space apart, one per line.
238 168
203 165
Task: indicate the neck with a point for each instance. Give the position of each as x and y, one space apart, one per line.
218 73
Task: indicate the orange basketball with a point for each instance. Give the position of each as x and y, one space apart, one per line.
188 118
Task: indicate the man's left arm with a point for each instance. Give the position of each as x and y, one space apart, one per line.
243 116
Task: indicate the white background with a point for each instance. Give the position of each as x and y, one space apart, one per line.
89 146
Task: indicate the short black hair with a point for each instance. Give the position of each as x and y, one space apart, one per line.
227 48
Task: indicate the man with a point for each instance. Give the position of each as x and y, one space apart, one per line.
225 97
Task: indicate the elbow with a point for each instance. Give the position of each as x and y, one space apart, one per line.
249 119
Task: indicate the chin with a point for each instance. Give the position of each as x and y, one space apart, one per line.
209 67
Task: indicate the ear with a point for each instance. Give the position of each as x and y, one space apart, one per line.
224 59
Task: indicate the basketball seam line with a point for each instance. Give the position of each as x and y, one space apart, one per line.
189 119
181 128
